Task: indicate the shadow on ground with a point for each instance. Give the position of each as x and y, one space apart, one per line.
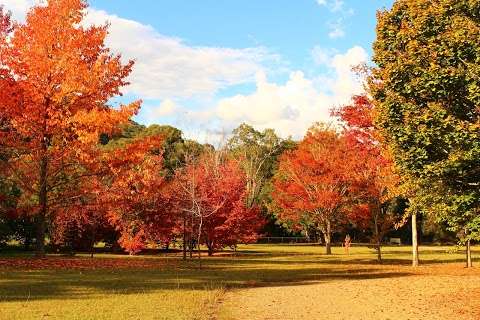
243 269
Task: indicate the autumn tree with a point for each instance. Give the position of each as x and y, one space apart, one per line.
174 147
311 183
212 191
136 193
372 179
57 79
426 89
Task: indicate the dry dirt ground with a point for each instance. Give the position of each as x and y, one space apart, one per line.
400 292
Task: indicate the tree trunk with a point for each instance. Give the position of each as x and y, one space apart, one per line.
469 254
184 237
327 236
379 251
27 242
210 249
92 243
199 238
377 238
328 245
414 241
42 214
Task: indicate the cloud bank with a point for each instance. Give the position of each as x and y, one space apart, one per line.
174 76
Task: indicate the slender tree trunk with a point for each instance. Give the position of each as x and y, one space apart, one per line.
328 236
379 251
42 214
184 237
191 240
210 249
468 251
414 241
469 255
199 237
92 243
378 240
27 243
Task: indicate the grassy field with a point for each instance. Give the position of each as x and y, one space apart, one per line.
251 284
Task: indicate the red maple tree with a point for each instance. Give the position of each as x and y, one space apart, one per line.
371 170
212 194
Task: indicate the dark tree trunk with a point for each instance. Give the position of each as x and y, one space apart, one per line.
468 252
210 250
379 252
42 214
184 237
92 242
378 240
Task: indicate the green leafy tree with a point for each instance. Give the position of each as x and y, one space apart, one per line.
175 148
426 88
258 153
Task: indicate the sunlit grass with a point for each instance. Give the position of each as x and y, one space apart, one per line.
172 289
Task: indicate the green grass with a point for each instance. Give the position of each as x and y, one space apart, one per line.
172 289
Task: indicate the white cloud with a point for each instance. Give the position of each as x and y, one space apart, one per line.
293 107
338 8
346 82
169 70
19 8
332 5
166 67
289 108
337 5
166 108
323 56
336 29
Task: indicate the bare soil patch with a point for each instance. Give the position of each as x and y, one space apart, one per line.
443 291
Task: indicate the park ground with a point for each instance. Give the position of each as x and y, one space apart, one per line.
257 282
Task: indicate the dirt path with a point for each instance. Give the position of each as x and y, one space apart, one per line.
429 294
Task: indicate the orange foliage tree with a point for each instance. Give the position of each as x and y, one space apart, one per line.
57 79
311 183
370 171
138 198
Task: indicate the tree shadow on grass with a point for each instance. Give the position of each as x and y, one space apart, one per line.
241 270
65 284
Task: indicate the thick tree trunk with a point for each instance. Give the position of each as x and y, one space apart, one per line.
414 241
42 214
328 246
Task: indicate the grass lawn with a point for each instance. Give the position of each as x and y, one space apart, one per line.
256 282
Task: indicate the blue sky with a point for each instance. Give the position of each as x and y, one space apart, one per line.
206 66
